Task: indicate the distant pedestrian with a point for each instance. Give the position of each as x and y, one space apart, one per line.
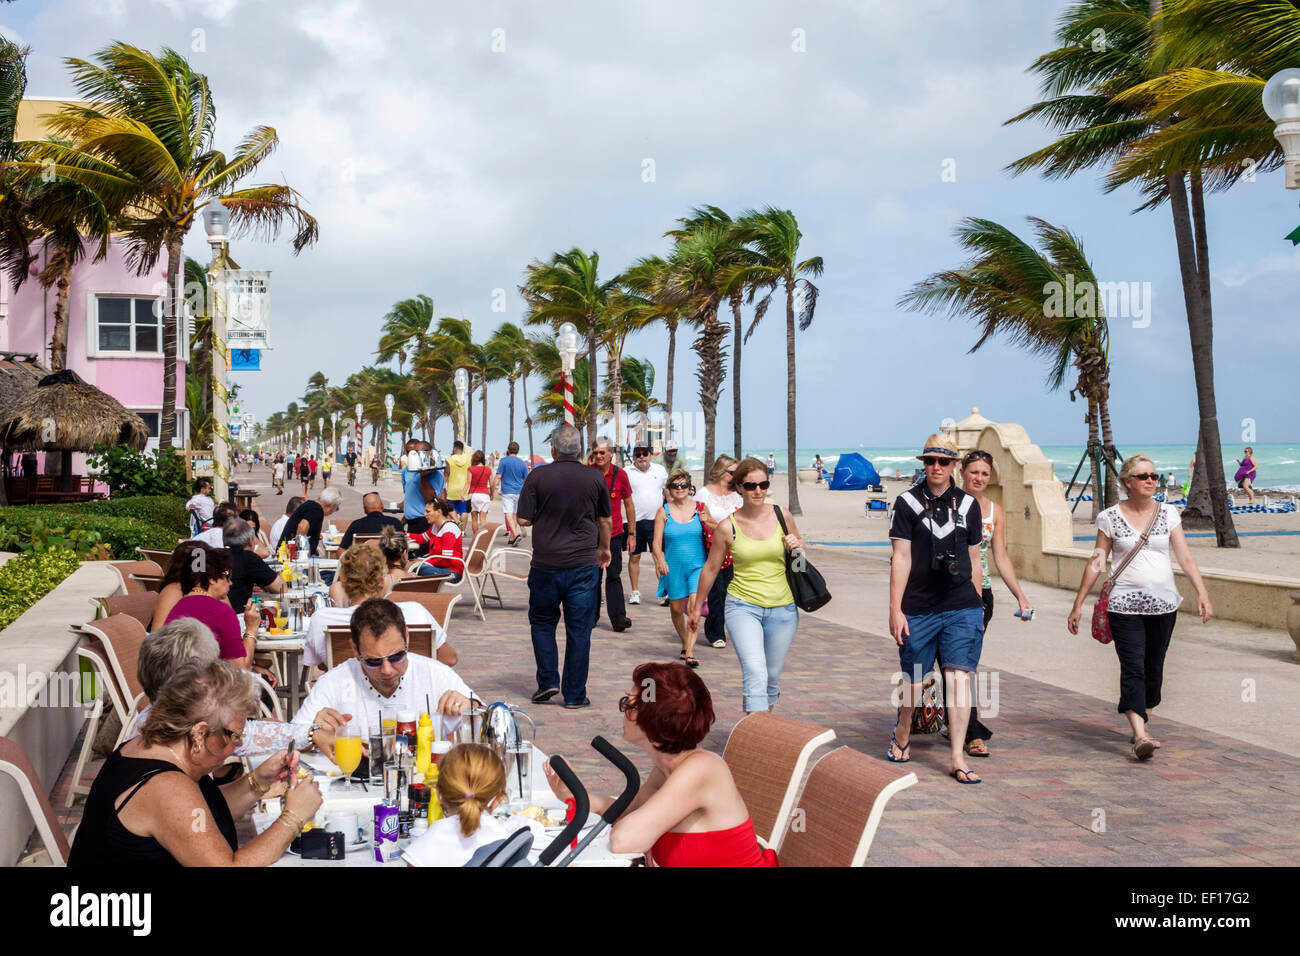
760 611
1245 476
771 465
622 533
313 465
326 468
1138 534
567 504
647 479
479 491
458 463
671 460
679 556
201 504
820 466
304 474
511 472
717 501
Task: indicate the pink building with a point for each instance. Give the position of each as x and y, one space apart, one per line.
115 331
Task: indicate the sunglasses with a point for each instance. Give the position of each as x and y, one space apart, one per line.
756 485
930 460
625 704
641 453
374 663
978 456
678 486
1148 476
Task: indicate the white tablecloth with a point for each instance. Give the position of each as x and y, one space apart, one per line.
362 803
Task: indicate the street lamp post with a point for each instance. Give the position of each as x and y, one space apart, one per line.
320 436
566 342
214 223
357 450
388 428
334 435
1282 103
461 379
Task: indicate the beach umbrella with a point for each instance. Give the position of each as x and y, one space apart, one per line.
537 460
64 413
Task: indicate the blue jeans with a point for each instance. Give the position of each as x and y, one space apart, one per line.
574 589
762 637
433 571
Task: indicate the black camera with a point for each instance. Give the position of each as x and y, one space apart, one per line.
945 562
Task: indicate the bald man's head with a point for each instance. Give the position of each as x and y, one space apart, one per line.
372 503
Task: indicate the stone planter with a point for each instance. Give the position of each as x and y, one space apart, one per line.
807 475
1293 624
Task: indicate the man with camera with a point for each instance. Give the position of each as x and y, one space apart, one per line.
935 605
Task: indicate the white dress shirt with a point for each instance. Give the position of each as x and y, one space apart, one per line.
445 845
347 690
314 645
213 538
278 527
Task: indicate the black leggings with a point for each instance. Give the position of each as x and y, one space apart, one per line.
1141 641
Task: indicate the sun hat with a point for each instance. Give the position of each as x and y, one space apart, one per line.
939 445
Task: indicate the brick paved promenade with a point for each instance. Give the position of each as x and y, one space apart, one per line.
1061 768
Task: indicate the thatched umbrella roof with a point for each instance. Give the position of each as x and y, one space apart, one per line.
19 373
82 417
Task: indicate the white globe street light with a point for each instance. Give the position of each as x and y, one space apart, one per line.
388 425
566 343
1282 104
461 380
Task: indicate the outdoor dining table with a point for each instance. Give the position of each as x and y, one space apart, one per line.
290 647
362 803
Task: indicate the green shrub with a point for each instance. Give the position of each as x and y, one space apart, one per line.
133 473
119 524
26 579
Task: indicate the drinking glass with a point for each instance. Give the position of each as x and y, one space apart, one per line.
347 751
519 774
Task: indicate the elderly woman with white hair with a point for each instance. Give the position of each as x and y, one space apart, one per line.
1138 534
154 803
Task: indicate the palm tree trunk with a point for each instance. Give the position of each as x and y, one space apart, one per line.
59 339
528 416
616 402
483 427
711 374
512 408
175 262
672 360
735 377
792 465
1201 328
1093 438
1108 444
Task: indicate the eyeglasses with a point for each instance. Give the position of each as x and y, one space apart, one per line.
756 485
1149 476
625 704
641 453
678 486
234 735
600 451
374 663
930 461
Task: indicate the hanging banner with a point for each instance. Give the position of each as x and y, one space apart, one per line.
245 360
248 308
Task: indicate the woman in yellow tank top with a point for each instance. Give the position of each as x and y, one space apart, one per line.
760 610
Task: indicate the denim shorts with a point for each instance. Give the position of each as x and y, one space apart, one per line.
958 636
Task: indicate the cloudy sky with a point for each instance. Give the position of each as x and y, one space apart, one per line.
443 146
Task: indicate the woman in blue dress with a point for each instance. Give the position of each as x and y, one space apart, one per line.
679 556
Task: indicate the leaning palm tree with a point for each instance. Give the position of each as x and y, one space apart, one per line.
637 391
509 349
651 281
1092 84
146 147
773 236
405 328
1012 289
568 288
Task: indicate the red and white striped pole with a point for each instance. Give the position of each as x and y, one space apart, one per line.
567 382
566 343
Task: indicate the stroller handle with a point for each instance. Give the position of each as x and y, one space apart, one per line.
581 810
630 774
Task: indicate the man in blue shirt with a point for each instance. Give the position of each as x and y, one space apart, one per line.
511 472
418 478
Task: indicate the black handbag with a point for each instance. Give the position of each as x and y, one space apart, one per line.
806 583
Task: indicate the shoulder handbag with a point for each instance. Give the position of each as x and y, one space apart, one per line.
806 583
1100 621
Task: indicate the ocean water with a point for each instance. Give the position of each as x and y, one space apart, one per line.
1278 463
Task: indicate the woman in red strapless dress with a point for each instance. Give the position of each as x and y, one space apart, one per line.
688 812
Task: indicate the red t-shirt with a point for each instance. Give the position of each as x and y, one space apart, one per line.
619 489
480 478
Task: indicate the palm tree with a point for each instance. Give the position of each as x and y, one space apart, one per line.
637 390
773 236
405 328
451 346
1094 98
1008 288
651 280
146 147
509 349
568 289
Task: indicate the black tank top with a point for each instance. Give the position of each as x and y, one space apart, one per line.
102 840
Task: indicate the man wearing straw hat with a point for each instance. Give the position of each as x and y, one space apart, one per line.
935 604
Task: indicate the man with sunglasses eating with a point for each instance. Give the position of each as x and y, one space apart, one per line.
383 678
935 601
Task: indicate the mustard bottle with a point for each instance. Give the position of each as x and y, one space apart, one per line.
424 745
435 805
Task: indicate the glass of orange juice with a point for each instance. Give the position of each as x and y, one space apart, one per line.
347 751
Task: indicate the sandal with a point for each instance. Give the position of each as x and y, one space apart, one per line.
958 774
971 746
1155 743
691 662
1144 748
894 745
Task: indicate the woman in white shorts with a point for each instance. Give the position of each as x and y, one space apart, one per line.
479 490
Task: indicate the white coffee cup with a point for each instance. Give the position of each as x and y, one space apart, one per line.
349 824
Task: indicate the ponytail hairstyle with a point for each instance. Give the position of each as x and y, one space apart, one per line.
470 778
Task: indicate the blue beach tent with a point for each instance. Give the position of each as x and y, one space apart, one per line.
853 473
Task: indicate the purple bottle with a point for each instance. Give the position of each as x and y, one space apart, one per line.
385 832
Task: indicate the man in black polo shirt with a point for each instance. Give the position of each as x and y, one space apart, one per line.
309 518
567 505
372 522
247 570
935 605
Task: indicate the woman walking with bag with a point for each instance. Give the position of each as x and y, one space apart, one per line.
678 550
1139 602
760 611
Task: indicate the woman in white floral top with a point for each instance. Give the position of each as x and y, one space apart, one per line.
1144 600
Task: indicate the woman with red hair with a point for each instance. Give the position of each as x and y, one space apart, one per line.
688 812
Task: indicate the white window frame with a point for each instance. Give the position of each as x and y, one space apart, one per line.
92 329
